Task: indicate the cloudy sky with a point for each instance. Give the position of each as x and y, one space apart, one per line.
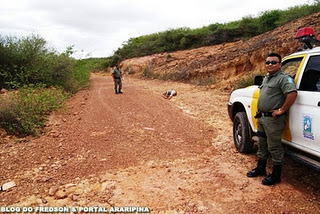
97 28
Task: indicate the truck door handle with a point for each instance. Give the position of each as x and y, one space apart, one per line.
319 103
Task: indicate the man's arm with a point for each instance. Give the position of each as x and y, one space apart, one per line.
291 97
112 74
173 93
121 75
165 95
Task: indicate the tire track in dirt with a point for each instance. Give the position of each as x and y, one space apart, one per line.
101 131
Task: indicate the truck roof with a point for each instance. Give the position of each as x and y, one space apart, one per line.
307 51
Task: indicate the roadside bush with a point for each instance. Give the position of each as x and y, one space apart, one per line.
297 12
26 110
249 27
181 76
42 78
115 60
204 81
246 80
129 70
268 20
29 61
22 61
148 73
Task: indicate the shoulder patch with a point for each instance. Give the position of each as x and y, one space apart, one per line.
290 80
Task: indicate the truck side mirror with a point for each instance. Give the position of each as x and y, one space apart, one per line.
258 80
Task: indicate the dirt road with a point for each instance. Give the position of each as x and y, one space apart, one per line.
138 149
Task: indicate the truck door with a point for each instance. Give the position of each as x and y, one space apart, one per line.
304 116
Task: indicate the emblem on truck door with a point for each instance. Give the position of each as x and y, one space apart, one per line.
307 127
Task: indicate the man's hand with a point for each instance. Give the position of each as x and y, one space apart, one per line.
276 113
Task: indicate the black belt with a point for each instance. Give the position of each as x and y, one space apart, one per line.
263 114
266 114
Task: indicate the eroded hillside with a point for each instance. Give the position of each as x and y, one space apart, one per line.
224 62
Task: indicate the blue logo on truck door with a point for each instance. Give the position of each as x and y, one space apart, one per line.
307 127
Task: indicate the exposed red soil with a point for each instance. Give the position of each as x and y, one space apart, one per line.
138 149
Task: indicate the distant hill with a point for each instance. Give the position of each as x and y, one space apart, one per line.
214 34
221 63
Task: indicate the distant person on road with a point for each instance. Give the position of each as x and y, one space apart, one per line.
169 94
277 94
117 78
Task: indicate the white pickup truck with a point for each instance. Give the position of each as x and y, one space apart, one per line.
301 137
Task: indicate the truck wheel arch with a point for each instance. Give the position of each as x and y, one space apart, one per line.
242 133
237 107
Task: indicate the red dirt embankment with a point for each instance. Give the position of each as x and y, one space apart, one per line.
225 62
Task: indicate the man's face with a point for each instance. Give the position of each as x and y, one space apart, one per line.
272 64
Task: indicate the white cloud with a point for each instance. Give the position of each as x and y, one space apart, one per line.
99 27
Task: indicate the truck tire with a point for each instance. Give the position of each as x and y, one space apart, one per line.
241 133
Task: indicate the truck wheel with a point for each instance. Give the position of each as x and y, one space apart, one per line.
241 133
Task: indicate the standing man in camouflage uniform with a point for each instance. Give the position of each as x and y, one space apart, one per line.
117 78
277 94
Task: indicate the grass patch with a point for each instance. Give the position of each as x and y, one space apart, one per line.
148 73
202 81
247 80
180 76
26 111
129 70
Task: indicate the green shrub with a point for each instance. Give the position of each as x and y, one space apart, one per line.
204 81
246 80
297 12
181 76
129 70
249 27
115 60
22 61
28 60
268 20
148 73
25 112
50 76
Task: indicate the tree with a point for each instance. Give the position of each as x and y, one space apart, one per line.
268 20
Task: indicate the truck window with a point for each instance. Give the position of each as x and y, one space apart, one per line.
291 66
311 77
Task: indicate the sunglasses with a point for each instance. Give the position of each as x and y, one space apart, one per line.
272 62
